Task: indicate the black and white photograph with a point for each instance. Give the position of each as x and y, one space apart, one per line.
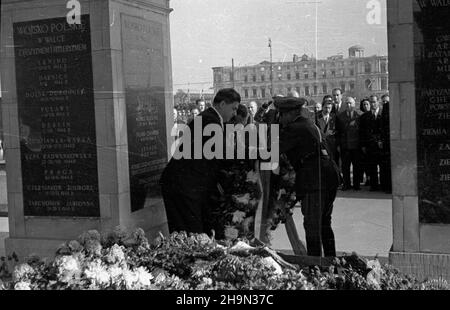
242 148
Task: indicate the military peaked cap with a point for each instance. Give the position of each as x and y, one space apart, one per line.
286 104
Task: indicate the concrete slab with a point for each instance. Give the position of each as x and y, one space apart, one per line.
362 223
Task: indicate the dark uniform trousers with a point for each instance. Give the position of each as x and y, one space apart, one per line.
351 157
317 222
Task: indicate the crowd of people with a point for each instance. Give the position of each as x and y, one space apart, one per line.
335 143
358 135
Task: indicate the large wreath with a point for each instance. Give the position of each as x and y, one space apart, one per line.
241 193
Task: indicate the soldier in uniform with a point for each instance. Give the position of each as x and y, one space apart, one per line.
317 176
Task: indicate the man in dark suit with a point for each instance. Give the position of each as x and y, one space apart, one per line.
385 169
347 126
317 177
326 121
188 183
371 140
339 105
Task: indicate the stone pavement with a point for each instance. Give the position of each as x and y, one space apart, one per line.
362 223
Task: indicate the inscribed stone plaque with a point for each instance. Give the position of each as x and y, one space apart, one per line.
432 76
56 118
143 67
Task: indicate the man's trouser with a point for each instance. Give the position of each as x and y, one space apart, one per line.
351 157
317 222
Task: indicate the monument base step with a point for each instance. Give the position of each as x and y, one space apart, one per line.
422 265
26 248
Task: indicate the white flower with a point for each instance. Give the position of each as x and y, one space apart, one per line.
207 281
270 262
252 177
374 276
68 268
97 273
22 286
115 272
161 277
22 272
130 278
238 217
231 232
243 199
144 277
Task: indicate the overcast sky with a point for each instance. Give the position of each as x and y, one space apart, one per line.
209 33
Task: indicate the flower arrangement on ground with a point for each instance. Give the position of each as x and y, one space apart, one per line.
127 261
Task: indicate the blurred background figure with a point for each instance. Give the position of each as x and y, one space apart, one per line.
347 127
371 140
252 107
326 121
201 105
195 112
339 106
293 94
385 169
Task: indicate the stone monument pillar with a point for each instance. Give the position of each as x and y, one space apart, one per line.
86 115
419 74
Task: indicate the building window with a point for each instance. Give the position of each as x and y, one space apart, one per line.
322 65
280 76
367 67
297 76
333 73
368 84
289 88
352 72
343 87
306 90
324 74
306 75
246 93
315 89
263 78
288 76
305 66
352 86
254 78
288 67
324 88
263 92
255 92
384 84
342 72
246 78
315 75
298 89
383 67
